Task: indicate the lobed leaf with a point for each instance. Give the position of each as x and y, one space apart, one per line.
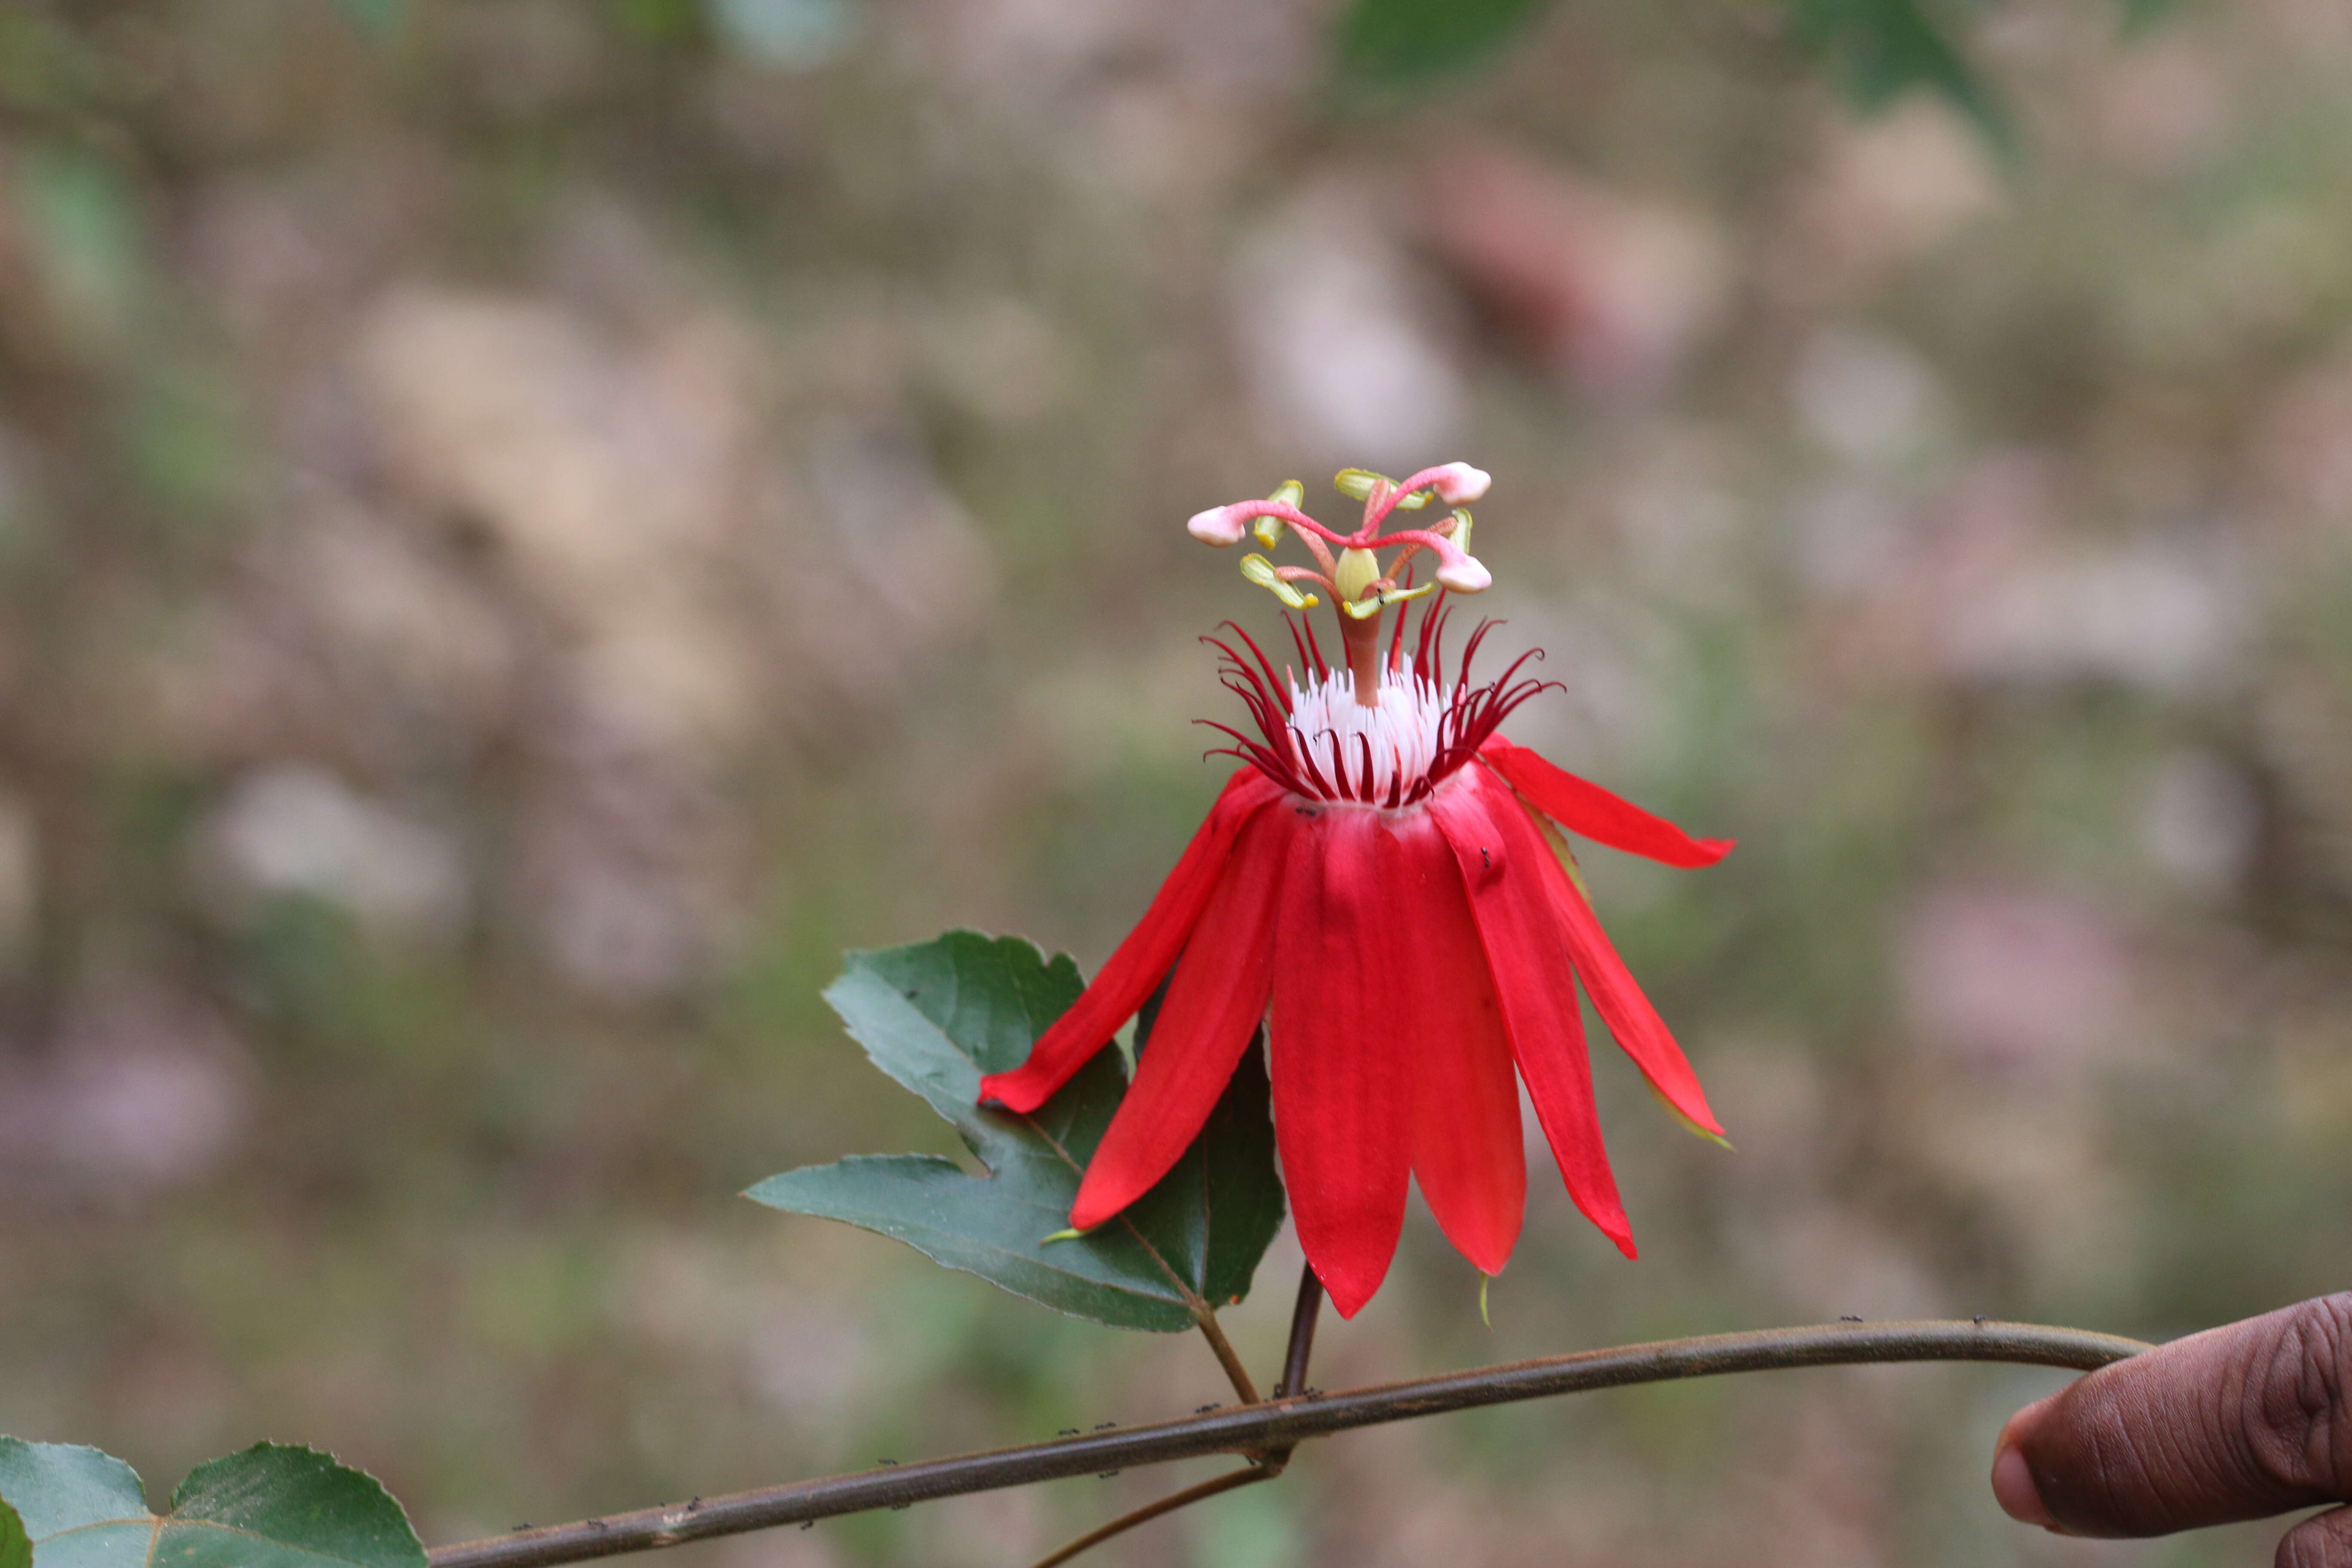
63 1505
936 1017
1215 1213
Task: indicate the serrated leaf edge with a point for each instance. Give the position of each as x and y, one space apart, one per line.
1192 1300
1035 1261
157 1522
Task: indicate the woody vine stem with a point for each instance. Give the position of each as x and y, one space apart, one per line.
1275 1427
1262 1466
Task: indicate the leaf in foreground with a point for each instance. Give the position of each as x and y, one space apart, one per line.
1884 48
269 1507
938 1015
1402 43
378 18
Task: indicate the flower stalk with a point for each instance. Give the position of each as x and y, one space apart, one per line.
1302 1335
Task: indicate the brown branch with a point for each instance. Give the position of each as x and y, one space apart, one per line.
1262 1466
1285 1422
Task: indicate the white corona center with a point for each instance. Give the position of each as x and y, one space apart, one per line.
1402 731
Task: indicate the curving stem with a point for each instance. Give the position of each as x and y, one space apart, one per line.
1283 1424
1214 1487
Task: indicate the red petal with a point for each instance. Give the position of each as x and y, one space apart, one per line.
1501 861
1342 1110
1584 808
1142 960
1640 1033
1466 1147
1213 1007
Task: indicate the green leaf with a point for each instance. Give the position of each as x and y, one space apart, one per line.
1214 1214
269 1507
938 1017
1402 43
16 1546
1884 48
378 18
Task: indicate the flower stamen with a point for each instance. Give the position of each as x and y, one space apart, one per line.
1317 738
1278 581
1360 587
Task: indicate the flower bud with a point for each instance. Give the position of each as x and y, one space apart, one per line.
1220 525
1458 482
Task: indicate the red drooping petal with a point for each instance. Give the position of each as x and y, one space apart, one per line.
1501 860
1466 1148
1213 1007
1342 1086
1640 1033
1142 960
1585 808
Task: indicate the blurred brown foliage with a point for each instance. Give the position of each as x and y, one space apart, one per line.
527 525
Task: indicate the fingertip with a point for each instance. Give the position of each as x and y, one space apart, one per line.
2019 1428
2014 1487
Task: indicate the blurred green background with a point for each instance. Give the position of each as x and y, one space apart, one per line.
526 526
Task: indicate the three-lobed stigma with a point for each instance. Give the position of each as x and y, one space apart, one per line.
1348 567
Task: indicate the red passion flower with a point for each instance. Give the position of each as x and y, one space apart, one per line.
1385 872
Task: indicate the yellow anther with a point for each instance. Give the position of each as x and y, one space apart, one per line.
1358 484
1399 595
1270 529
1260 571
1360 609
1460 531
1358 570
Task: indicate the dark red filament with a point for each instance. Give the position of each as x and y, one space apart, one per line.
1472 713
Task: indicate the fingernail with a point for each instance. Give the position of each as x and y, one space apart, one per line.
2014 1487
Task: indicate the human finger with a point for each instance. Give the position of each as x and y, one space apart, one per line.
2236 1422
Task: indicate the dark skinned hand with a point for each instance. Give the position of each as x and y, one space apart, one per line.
2240 1422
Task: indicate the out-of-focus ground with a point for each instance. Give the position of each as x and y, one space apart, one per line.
526 529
